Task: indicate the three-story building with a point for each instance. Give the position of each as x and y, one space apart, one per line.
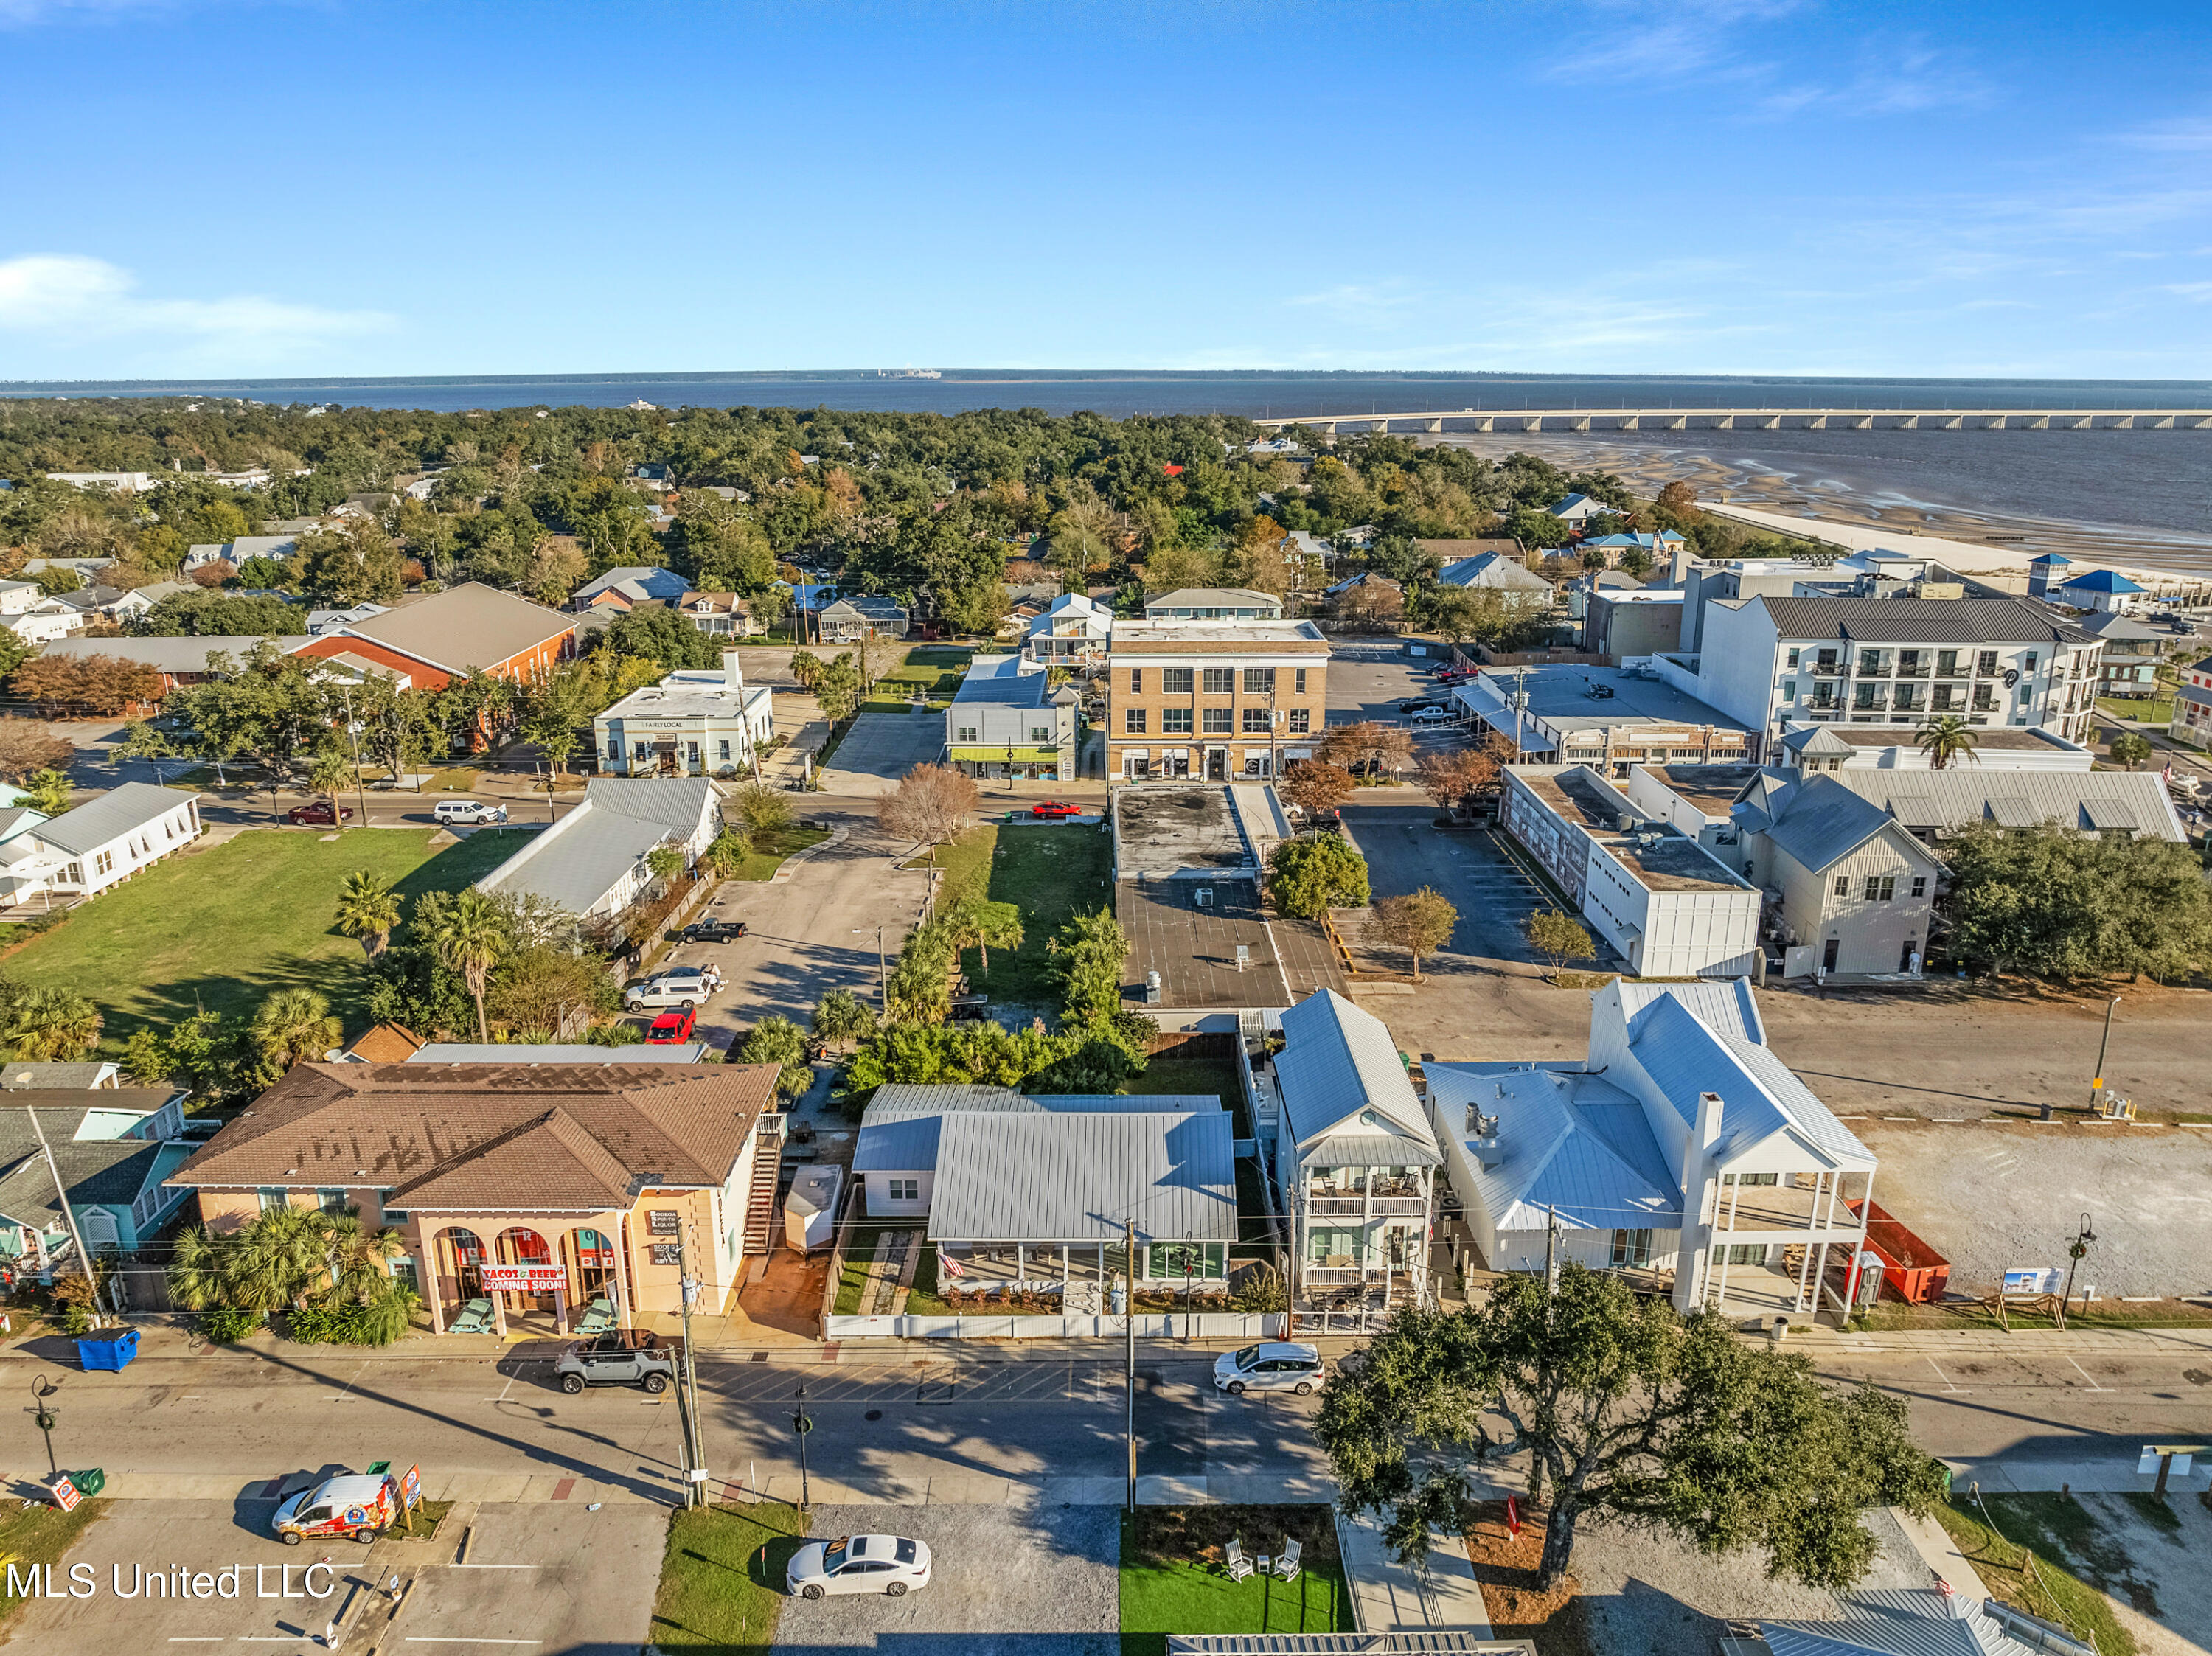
1218 699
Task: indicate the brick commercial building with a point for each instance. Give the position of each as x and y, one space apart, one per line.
1216 700
450 635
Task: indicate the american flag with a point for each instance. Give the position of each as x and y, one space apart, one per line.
953 1267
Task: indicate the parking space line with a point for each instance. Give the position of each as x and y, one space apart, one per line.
2089 1377
1946 1379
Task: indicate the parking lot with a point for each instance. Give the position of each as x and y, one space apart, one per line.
879 748
1368 681
1015 1579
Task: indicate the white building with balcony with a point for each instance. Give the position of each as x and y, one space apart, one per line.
1073 629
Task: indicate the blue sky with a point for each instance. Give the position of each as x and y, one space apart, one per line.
203 187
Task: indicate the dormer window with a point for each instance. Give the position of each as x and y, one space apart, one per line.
1367 1119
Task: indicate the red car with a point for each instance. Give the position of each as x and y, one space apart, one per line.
1055 808
319 814
670 1029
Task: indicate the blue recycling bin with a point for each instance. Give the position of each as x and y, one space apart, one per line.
110 1348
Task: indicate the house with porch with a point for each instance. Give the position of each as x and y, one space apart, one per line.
1681 1151
112 1154
593 861
541 1188
1354 1159
99 844
1033 1193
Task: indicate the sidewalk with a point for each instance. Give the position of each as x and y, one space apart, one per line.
1823 1341
1391 1597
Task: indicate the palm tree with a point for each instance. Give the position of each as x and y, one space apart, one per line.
50 1026
329 776
1946 737
293 1026
368 910
470 934
2130 748
985 926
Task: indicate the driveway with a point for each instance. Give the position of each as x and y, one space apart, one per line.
1485 998
879 748
1030 1580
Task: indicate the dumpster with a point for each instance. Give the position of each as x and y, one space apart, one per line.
91 1481
109 1348
1911 1270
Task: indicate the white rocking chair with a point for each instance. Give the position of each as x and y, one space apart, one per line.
1286 1561
1233 1561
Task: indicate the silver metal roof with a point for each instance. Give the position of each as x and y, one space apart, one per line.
1760 1096
1339 1062
1573 1145
1725 1004
578 861
120 810
1920 621
899 1130
1077 1176
1965 792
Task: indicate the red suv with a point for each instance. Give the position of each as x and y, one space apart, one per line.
670 1029
1055 807
319 814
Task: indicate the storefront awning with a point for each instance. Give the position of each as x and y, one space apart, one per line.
999 755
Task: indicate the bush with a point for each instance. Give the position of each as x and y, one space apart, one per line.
228 1327
379 1322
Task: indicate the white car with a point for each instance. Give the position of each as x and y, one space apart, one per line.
468 811
681 989
1429 716
889 1564
1270 1365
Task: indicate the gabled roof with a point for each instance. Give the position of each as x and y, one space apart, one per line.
112 1171
468 626
1724 1003
22 1075
1685 1056
1337 1065
2116 628
1815 739
1817 819
1897 1622
1077 1176
122 809
650 582
1573 1146
2100 580
1214 597
1493 569
1961 794
490 1128
870 604
578 861
901 1128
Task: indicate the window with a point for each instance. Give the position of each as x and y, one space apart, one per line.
2028 664
1220 681
1843 885
644 750
1920 885
1217 721
1947 663
272 1200
1175 721
1631 1249
390 1215
1740 1254
1136 681
1132 721
613 747
1870 662
1986 662
1174 681
1255 721
1791 663
1788 692
1039 735
103 863
967 733
1259 681
1881 887
903 1190
1300 688
332 1202
1298 721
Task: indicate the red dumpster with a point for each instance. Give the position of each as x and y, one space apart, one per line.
1911 1270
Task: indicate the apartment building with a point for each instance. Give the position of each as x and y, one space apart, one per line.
1217 700
1776 662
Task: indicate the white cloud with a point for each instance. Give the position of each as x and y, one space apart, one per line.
2185 132
2199 292
70 300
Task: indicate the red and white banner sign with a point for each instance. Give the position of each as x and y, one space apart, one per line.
526 1278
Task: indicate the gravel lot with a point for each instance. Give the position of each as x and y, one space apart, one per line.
1653 1595
1990 1197
1008 1581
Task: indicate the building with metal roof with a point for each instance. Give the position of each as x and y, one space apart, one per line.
1680 1147
446 635
1495 572
1609 718
1355 1157
101 843
1930 804
701 722
1921 1621
1007 720
1854 890
1214 603
1811 747
592 861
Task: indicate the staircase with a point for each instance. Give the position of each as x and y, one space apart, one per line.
760 1201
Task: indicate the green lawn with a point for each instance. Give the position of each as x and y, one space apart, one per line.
2154 711
1172 1582
1194 1075
721 1578
936 668
40 1534
771 848
2061 1537
223 928
1049 874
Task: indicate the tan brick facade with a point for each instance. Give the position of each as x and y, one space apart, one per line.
1217 700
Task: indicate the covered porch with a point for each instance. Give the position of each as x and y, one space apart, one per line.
1045 1267
541 1274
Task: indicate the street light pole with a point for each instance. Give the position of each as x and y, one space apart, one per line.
43 1418
353 736
801 1425
695 1434
2075 1251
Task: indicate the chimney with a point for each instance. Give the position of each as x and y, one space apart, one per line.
1678 565
734 675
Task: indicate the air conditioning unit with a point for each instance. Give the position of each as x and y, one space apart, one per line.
1203 897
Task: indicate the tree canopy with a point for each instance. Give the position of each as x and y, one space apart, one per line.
2063 904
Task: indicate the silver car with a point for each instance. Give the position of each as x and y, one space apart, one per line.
468 811
1270 1365
892 1565
681 989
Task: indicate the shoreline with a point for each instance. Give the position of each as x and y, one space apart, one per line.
1798 493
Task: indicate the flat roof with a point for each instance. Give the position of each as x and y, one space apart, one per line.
1193 949
1168 634
1158 830
701 694
1560 696
1711 788
1663 858
1993 736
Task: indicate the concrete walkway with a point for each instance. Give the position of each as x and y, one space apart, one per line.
1934 1544
1390 1597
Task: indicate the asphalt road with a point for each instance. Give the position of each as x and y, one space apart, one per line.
889 1420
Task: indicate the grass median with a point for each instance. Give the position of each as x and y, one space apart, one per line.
721 1578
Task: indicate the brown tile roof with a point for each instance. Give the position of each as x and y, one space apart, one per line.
387 1043
501 1135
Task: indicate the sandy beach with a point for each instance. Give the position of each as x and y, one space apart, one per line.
1648 468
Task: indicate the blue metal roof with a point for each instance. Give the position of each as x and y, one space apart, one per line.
1575 1146
1339 1062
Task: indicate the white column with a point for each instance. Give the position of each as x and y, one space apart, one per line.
1735 1195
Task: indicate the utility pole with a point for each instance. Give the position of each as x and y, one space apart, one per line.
1129 1348
61 1196
2097 1085
802 1424
695 1435
353 735
2075 1251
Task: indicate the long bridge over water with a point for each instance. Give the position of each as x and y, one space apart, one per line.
1725 419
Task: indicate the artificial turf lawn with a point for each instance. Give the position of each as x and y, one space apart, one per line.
1172 1582
224 928
721 1578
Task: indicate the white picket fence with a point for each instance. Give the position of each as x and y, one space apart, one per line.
1151 1325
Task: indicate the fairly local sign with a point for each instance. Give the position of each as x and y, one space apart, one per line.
525 1278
